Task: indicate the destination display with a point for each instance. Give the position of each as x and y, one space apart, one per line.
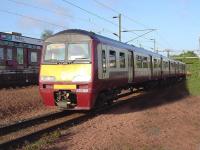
21 39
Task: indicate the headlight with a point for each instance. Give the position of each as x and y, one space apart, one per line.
48 78
81 78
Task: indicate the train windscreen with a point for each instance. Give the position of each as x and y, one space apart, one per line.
67 53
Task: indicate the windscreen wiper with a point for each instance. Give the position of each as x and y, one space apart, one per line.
77 59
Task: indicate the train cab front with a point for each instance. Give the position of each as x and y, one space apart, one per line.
66 73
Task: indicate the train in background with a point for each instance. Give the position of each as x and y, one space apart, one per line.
19 59
83 70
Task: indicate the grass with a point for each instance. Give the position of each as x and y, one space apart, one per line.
193 81
43 142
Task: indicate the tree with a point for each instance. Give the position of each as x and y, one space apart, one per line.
46 34
188 54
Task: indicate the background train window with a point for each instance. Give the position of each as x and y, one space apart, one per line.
9 54
104 61
20 56
1 54
33 57
122 60
145 62
139 61
112 57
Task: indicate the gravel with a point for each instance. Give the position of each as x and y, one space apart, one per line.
21 103
166 119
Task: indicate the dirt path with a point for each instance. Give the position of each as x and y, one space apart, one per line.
167 119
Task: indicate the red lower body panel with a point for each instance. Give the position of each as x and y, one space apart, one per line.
85 100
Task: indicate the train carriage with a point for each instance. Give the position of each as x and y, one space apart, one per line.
19 59
82 70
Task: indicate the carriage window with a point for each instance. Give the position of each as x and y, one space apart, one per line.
122 60
139 61
172 65
112 57
33 57
145 62
9 54
165 64
20 55
104 61
1 54
159 63
155 63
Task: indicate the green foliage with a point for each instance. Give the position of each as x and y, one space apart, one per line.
188 54
193 71
185 57
46 34
193 81
43 142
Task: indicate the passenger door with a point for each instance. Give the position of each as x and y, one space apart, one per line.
103 62
130 67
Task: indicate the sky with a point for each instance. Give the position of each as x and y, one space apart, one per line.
177 21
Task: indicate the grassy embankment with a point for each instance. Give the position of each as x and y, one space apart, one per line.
193 80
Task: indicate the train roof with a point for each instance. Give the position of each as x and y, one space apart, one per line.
107 40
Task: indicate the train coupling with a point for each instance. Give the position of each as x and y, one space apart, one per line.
65 99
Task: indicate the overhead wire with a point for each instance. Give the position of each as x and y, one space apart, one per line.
130 18
96 15
89 12
63 14
114 10
32 18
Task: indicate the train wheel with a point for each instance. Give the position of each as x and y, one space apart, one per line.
100 102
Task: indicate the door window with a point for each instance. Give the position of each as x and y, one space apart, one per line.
104 61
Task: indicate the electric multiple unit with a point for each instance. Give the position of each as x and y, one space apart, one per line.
81 70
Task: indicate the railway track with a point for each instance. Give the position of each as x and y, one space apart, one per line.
15 135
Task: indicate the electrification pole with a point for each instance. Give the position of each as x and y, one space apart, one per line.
154 45
120 26
168 50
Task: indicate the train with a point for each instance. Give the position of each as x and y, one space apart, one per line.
81 70
19 59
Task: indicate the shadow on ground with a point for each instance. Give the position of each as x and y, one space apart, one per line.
156 98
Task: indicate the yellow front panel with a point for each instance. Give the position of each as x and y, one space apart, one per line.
64 87
66 72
